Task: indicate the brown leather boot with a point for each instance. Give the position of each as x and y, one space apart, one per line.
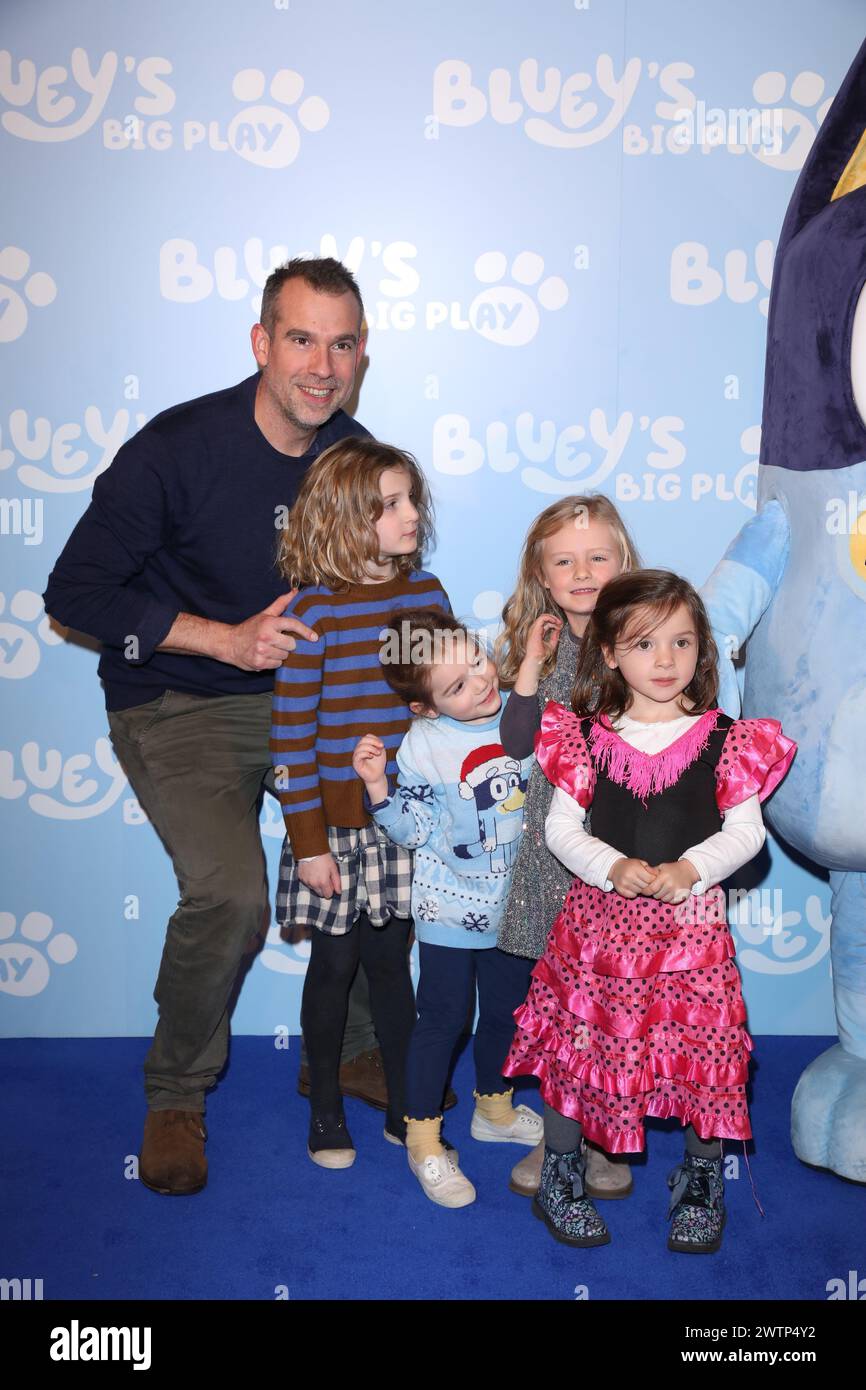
172 1157
363 1078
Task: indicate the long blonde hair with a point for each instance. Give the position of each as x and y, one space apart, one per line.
530 598
330 533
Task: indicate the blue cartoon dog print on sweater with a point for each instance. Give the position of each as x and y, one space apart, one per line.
493 781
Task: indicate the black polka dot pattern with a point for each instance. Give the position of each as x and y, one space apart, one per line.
752 749
636 1009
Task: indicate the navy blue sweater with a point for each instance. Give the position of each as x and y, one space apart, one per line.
185 520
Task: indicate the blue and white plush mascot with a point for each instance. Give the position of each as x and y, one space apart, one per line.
794 583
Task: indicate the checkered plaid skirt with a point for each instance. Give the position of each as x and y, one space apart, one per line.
375 877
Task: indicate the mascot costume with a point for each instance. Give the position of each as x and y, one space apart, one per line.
793 583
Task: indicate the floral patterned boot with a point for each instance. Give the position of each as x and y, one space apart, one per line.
697 1205
561 1202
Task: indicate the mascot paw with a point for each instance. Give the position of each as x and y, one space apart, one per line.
828 1114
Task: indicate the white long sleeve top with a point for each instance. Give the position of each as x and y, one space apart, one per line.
715 858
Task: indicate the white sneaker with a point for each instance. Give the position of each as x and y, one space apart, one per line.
442 1180
525 1128
392 1139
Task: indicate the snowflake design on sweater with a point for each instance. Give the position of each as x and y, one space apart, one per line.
428 909
423 792
475 921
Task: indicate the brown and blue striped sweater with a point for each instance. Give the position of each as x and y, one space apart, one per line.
331 692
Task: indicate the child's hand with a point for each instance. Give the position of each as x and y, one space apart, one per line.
631 876
321 874
671 882
369 761
542 639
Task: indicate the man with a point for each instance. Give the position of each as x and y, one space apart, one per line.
172 568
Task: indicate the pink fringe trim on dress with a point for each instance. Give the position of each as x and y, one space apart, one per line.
648 773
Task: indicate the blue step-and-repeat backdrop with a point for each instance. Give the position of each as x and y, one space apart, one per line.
562 216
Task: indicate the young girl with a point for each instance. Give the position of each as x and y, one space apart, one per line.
355 538
571 551
636 1008
459 805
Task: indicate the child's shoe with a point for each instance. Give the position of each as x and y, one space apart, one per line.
607 1178
697 1205
442 1180
526 1175
329 1143
525 1127
562 1204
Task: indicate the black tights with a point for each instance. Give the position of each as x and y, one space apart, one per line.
384 952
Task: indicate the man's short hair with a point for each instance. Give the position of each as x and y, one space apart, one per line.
325 275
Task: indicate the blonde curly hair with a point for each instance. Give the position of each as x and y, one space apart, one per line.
530 598
329 536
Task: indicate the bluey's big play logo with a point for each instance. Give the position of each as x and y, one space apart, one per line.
636 457
572 110
68 467
696 281
509 298
56 104
576 454
62 788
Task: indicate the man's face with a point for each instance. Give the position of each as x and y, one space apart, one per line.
309 361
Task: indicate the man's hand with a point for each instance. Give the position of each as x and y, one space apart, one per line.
369 761
671 882
263 642
631 876
260 643
321 874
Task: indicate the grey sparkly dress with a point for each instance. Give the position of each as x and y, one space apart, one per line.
539 882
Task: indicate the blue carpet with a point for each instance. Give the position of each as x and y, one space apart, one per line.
269 1218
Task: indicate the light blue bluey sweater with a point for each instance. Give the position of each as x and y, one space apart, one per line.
459 805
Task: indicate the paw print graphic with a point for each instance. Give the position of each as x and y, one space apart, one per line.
283 957
38 290
19 650
505 313
24 963
487 611
746 480
793 130
267 135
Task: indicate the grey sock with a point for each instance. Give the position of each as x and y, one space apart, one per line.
561 1134
695 1146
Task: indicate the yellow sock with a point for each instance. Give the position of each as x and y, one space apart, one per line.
422 1137
495 1108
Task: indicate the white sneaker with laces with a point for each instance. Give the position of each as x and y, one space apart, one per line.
442 1180
525 1128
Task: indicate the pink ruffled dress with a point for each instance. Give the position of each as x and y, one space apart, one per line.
636 1007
